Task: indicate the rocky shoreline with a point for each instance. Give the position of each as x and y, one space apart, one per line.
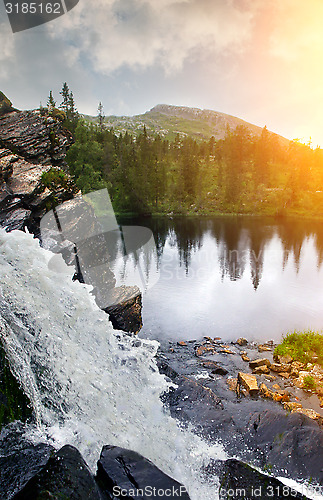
269 375
264 418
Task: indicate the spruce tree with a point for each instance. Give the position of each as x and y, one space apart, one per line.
100 115
51 103
65 93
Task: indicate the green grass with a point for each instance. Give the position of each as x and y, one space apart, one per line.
309 382
302 346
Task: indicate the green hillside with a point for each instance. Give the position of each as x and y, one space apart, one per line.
169 121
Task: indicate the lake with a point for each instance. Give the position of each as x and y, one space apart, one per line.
229 277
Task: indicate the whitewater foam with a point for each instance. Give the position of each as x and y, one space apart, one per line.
89 385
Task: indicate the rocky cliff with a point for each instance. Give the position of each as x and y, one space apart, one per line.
32 144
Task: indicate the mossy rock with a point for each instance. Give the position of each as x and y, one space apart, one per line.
59 114
5 104
14 404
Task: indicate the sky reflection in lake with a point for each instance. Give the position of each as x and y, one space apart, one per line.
232 277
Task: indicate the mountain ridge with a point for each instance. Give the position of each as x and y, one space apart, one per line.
171 120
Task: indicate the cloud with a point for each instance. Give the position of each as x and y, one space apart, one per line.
143 33
7 48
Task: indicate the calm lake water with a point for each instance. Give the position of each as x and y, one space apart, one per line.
229 277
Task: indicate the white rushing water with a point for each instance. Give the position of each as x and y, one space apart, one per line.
89 385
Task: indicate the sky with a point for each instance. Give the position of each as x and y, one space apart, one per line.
259 60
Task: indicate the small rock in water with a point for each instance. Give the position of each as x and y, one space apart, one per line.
232 383
271 378
216 369
263 369
263 348
280 367
259 362
226 351
249 382
203 350
242 341
283 359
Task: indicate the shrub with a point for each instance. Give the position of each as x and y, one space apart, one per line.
57 181
302 346
309 382
57 113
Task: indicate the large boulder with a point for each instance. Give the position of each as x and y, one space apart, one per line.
65 475
240 480
126 474
20 459
292 442
125 313
23 197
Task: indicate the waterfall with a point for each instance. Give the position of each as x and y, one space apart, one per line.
89 385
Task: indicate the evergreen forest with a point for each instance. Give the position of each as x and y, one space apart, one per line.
241 173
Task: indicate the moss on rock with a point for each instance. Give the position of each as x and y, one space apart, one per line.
14 404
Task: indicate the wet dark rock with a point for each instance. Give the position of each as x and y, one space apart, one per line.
235 420
65 475
127 471
193 402
292 442
20 459
125 314
240 480
215 368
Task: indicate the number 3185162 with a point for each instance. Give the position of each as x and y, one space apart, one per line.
33 8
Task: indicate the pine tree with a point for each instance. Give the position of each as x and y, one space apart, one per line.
68 106
51 103
72 111
100 115
65 93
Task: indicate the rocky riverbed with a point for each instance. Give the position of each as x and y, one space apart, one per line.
250 400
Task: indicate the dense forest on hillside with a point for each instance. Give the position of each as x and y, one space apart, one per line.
241 173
